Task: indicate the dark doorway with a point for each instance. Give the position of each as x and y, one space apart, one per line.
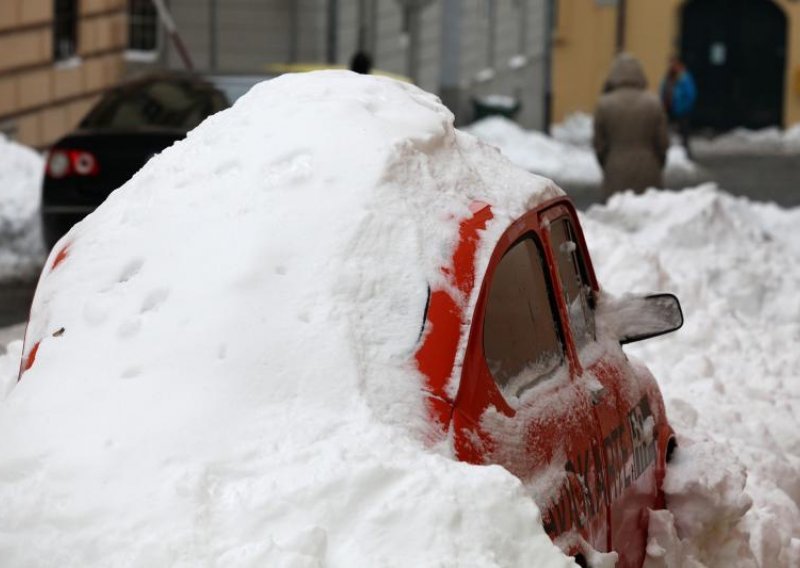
736 51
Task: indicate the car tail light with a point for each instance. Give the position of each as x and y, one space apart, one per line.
84 163
58 164
62 163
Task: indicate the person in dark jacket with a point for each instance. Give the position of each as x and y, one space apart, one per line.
361 62
679 93
630 130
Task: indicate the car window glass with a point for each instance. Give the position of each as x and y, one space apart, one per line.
521 341
574 283
156 104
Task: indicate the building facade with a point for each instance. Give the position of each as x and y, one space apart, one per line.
744 54
460 49
56 57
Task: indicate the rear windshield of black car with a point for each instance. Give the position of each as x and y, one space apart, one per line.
162 104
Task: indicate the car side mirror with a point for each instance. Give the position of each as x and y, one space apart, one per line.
643 317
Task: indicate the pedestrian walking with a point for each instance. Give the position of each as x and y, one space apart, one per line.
630 130
678 94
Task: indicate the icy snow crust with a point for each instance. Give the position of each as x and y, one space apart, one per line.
567 157
234 385
21 172
730 377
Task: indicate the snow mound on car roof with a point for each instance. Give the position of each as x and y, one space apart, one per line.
226 375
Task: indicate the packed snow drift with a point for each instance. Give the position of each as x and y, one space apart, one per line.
226 375
162 428
567 157
771 140
21 171
730 377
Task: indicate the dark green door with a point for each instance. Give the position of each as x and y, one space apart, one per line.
736 51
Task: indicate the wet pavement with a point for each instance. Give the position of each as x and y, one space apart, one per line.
759 177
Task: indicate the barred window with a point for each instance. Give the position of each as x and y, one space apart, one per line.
142 25
65 29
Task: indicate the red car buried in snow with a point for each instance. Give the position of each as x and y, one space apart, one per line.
545 389
544 392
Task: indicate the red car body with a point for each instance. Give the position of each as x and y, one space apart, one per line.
591 441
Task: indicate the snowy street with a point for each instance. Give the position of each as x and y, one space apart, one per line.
255 453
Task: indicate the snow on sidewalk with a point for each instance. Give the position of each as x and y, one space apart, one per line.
731 376
770 140
567 157
21 250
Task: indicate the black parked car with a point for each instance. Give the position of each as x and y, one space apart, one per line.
127 126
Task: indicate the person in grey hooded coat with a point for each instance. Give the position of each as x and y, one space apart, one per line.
630 130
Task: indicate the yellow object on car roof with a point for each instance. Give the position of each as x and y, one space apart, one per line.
279 68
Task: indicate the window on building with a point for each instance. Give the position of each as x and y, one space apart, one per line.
520 336
574 282
65 29
142 25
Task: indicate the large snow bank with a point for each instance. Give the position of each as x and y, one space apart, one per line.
731 376
21 172
567 157
234 383
772 140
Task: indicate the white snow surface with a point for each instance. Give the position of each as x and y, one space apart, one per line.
771 140
234 383
250 428
567 157
21 250
576 130
730 377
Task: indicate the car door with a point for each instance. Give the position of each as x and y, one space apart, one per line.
619 400
518 404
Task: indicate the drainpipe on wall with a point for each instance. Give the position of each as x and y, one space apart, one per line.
547 115
332 42
363 26
172 30
621 17
294 33
412 10
450 70
412 61
213 48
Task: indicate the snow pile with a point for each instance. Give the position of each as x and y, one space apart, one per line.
567 157
730 377
770 140
576 129
21 251
226 375
537 152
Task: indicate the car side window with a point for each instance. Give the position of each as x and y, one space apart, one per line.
574 281
520 336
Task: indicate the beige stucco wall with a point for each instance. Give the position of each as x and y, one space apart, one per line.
585 41
791 108
41 100
582 53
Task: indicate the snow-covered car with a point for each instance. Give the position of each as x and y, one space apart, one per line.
546 390
295 364
129 124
